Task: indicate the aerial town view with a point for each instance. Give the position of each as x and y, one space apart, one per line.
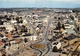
50 29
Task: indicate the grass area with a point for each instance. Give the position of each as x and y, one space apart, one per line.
43 50
27 48
40 46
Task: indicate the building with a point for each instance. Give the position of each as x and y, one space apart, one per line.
57 44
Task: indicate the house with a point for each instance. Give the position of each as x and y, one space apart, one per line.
1 44
34 38
69 24
71 39
9 36
57 44
69 31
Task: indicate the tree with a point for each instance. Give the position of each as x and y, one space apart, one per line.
25 40
59 25
59 18
63 26
21 21
33 13
77 28
1 22
25 30
8 19
55 49
5 16
3 54
71 17
1 17
17 19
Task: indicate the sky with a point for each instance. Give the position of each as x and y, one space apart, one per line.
39 3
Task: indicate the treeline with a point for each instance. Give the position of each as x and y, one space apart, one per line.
76 10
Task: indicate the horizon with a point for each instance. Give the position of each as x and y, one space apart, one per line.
36 8
39 4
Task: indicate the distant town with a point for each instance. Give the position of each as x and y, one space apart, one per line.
39 32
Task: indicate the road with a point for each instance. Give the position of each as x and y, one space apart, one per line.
40 52
29 24
45 40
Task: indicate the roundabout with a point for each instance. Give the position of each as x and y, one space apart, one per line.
39 46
